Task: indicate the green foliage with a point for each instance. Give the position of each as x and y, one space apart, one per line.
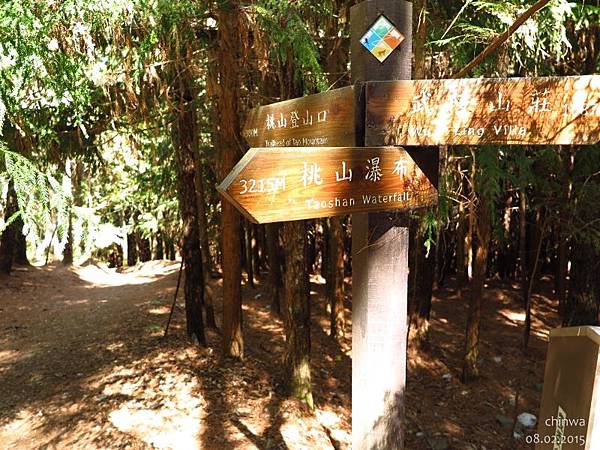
286 28
39 195
532 49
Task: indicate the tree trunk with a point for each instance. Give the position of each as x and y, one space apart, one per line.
420 286
185 135
144 248
562 262
209 309
132 254
203 221
249 255
256 253
523 236
533 273
160 247
21 244
68 250
275 266
336 274
326 264
229 141
420 12
243 254
461 243
170 248
8 241
583 300
69 178
481 220
297 313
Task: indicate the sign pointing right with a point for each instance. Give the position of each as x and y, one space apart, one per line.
281 184
554 110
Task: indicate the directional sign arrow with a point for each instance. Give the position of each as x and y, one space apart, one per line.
555 110
282 184
319 120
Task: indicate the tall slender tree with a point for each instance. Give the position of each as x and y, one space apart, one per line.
229 18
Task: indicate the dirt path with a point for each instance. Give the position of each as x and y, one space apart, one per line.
83 365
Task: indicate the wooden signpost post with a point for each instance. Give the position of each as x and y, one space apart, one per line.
341 165
279 184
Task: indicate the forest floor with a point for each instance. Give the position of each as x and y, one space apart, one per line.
83 365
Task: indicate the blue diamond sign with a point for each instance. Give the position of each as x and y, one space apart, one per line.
382 39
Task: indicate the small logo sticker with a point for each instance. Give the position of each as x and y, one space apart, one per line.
382 39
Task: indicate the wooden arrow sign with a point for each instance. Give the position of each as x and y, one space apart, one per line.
557 110
320 120
281 184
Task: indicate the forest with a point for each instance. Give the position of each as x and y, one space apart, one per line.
139 309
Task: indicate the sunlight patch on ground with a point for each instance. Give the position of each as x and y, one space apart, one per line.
332 422
165 410
513 316
100 275
296 430
75 302
19 432
452 428
160 311
166 428
115 346
8 355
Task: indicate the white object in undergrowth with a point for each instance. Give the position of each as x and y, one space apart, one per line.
527 420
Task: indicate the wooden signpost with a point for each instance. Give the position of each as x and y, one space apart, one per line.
555 110
320 120
341 166
279 184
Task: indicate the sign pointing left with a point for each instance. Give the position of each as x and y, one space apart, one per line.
327 119
282 184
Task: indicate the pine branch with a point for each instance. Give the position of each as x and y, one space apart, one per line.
501 39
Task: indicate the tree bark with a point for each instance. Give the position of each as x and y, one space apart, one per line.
68 250
249 255
209 309
69 176
275 266
203 220
229 141
256 251
562 262
523 236
160 247
533 274
482 227
144 248
132 254
336 274
170 248
9 238
297 313
420 11
21 244
185 135
421 280
583 300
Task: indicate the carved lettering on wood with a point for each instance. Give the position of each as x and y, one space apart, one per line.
556 110
281 184
320 120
